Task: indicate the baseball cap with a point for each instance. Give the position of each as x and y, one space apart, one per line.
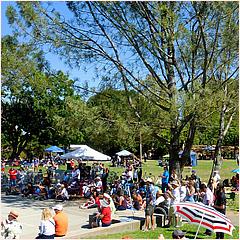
58 207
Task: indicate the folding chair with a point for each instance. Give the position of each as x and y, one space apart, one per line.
231 198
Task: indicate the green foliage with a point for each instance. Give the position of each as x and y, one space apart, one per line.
173 59
32 96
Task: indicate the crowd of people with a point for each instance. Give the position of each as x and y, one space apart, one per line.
128 191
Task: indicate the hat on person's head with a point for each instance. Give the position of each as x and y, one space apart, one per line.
178 233
104 203
149 180
98 178
194 171
175 183
13 214
58 207
106 195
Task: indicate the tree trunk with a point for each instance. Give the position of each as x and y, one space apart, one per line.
173 152
221 134
188 144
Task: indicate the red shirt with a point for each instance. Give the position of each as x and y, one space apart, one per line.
72 163
97 201
106 211
13 174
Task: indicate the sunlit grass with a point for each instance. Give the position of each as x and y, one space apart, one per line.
167 233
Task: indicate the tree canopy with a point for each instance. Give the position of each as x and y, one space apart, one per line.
177 56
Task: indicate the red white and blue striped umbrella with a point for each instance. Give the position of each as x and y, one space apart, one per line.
206 216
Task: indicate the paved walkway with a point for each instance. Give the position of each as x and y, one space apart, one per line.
30 215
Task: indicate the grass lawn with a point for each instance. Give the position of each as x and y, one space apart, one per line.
167 233
151 168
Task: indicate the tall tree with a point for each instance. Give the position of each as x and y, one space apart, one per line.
175 45
31 96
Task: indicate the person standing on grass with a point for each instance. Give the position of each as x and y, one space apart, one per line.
145 157
220 205
149 213
174 194
165 179
183 191
13 176
207 200
190 192
216 176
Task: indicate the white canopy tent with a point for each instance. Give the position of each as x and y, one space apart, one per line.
85 153
124 153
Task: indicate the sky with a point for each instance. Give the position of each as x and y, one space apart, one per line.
55 62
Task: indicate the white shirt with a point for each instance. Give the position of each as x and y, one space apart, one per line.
64 193
159 200
208 197
47 227
217 177
130 175
183 193
135 174
176 195
85 189
98 184
76 174
11 229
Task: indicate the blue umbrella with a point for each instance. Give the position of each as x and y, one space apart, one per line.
236 170
54 149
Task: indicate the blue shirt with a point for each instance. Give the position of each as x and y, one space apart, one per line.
166 175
